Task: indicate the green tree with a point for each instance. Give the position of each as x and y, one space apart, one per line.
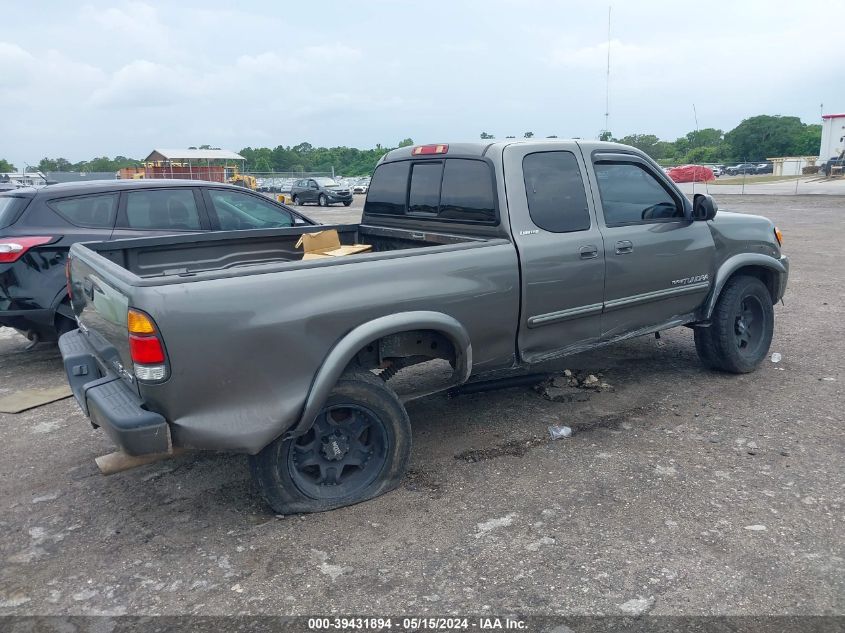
406 142
766 136
647 143
606 135
6 166
810 141
528 135
486 137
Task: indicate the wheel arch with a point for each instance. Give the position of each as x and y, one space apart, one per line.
765 268
345 351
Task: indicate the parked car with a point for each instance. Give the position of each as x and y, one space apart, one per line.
833 166
500 259
690 173
38 226
717 170
320 190
361 187
764 168
742 168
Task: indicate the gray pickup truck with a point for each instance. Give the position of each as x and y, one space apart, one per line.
498 258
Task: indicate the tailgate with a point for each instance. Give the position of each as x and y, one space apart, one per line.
100 308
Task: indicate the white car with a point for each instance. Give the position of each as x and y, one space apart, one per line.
361 187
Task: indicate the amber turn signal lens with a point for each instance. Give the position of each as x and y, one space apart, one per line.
139 323
779 236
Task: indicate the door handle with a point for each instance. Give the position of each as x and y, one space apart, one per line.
588 252
623 247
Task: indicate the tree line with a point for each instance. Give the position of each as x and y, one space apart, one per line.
755 139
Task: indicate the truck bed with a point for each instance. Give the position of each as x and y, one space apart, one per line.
191 255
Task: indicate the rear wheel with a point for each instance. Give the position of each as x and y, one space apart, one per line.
740 333
357 449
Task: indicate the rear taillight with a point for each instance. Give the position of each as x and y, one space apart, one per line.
145 347
13 248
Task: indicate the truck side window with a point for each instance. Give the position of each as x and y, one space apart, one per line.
388 189
557 201
467 194
631 195
424 196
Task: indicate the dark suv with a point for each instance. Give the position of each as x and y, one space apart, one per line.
324 191
38 226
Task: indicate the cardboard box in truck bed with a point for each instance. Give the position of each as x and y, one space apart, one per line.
327 244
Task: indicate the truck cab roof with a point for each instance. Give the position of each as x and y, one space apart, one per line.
484 148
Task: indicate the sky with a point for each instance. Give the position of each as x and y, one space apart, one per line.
79 80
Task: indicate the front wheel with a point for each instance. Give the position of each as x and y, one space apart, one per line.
347 203
741 328
357 449
323 201
296 200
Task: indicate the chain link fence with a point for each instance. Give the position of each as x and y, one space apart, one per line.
778 176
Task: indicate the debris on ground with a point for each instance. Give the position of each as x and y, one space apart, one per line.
776 357
572 386
557 431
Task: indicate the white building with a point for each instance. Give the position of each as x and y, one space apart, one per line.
833 136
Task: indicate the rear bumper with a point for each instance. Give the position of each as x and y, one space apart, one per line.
109 402
35 319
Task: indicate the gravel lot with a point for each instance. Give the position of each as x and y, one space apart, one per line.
681 491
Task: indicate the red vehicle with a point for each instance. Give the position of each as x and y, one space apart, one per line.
691 173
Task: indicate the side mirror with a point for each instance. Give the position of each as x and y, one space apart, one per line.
704 208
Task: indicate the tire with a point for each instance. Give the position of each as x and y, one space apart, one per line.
323 201
742 323
347 203
296 201
301 474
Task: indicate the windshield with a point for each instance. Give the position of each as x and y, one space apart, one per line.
327 182
9 208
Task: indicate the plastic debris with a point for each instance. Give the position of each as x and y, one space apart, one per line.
557 431
776 357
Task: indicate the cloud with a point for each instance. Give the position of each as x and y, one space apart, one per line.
595 57
145 84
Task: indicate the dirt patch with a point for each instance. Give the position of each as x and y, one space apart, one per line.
513 448
422 481
520 447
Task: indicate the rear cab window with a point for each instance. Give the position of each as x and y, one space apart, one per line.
451 189
10 209
557 199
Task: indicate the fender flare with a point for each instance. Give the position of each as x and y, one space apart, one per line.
731 265
345 350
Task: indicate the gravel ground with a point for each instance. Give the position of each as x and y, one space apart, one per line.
681 491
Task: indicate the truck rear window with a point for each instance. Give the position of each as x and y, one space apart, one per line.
10 207
455 189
